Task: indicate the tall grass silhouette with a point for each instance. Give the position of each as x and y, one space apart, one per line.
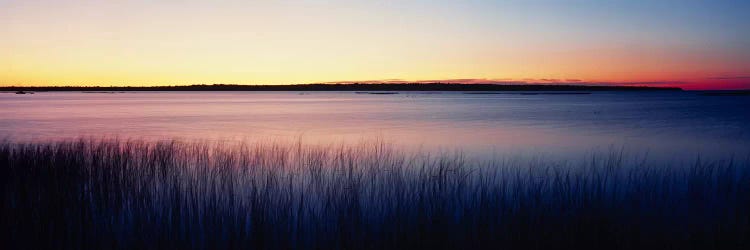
110 194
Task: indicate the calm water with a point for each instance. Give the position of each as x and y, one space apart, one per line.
664 125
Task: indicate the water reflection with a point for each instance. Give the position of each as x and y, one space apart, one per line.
667 125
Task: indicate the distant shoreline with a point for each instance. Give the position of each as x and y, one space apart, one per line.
347 87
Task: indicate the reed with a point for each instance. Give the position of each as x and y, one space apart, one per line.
130 194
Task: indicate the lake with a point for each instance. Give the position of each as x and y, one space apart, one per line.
662 125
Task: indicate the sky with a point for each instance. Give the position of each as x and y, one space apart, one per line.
688 44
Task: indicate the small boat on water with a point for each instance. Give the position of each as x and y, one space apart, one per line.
21 92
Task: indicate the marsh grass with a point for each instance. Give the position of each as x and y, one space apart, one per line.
108 194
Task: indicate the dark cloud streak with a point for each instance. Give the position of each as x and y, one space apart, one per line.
729 78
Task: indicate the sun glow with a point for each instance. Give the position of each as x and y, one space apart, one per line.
171 43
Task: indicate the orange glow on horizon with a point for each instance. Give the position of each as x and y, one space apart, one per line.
73 43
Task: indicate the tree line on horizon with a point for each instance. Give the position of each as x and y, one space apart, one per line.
345 87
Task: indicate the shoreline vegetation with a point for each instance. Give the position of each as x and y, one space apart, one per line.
348 87
130 194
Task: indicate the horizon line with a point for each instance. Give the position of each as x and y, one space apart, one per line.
355 86
685 85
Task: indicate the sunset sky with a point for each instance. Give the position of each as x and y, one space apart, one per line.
690 44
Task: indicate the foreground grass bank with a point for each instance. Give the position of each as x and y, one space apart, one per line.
109 194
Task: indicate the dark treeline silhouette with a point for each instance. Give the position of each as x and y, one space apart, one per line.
109 194
349 87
